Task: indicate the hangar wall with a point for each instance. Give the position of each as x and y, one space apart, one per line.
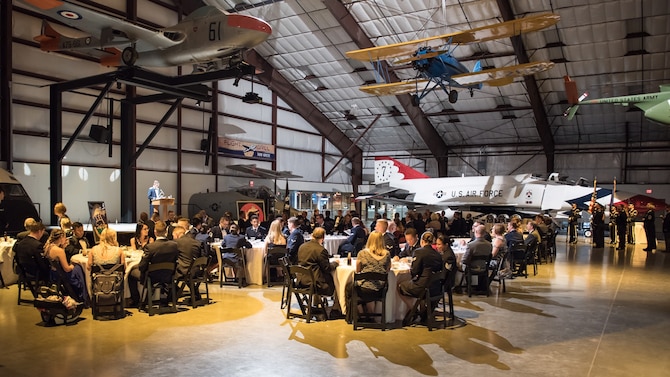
90 174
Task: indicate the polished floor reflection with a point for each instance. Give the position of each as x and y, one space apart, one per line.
591 313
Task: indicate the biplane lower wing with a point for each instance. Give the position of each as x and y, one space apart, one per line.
394 88
501 76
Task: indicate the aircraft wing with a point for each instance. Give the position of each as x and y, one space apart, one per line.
501 76
481 34
109 29
394 88
263 173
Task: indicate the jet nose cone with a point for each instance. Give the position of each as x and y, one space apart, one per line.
249 22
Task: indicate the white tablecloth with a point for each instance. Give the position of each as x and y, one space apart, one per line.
330 243
7 259
395 307
254 257
133 258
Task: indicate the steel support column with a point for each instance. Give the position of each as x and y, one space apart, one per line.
6 137
128 176
55 147
541 122
428 133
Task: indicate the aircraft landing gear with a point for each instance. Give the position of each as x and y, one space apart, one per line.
453 96
415 100
472 92
129 56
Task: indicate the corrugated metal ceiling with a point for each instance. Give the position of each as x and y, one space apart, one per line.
609 47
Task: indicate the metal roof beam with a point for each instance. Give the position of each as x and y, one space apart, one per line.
541 122
428 133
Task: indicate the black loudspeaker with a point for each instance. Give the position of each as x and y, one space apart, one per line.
99 133
204 145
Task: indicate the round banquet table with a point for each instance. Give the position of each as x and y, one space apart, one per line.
254 257
133 258
395 307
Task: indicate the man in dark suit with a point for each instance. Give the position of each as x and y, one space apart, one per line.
255 230
320 222
381 226
162 250
621 225
294 240
479 247
219 231
234 240
513 235
28 251
77 241
533 238
154 192
189 250
411 243
314 256
356 240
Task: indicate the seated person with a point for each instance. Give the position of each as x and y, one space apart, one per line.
480 246
320 222
294 240
373 258
443 246
54 251
28 251
381 226
160 251
411 244
107 251
141 238
189 250
275 236
345 223
78 242
255 231
234 240
219 231
426 261
355 241
314 256
533 238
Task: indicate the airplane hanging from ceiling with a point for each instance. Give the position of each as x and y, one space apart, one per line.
262 173
437 67
209 37
656 106
399 184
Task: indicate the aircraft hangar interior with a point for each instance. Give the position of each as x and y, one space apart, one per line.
305 97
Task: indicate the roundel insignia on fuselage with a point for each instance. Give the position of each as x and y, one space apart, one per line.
70 15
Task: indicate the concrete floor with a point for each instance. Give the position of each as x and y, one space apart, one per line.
591 313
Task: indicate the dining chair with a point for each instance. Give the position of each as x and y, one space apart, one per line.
232 259
362 298
429 300
107 293
194 279
160 278
478 266
272 261
303 288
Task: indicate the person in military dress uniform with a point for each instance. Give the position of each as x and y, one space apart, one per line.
650 228
632 214
573 219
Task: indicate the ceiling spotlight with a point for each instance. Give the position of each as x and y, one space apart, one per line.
237 81
197 103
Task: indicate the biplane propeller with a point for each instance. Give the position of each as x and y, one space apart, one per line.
437 67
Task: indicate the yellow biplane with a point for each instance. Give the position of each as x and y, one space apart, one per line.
436 66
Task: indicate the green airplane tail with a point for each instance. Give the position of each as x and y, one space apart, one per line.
571 111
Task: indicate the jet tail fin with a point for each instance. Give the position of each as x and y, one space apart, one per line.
388 169
571 111
477 67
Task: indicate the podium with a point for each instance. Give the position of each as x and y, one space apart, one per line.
162 205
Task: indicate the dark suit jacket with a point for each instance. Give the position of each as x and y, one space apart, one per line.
512 237
327 226
426 261
315 257
259 233
28 252
408 250
391 244
235 241
162 250
189 249
293 243
533 239
357 236
479 247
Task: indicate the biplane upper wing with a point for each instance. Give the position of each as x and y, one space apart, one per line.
394 88
501 76
481 34
108 29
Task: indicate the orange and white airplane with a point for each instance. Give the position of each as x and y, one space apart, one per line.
207 36
436 66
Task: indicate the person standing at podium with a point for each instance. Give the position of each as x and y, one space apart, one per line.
154 193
